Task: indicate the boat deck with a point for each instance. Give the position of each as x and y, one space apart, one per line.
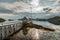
29 29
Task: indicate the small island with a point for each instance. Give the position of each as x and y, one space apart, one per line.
2 20
55 20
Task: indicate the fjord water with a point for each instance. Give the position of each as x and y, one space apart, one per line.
37 15
47 24
42 16
42 23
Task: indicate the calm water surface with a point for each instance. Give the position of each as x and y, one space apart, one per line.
42 23
47 24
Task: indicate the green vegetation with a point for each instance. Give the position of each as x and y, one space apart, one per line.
20 19
2 20
10 20
55 20
37 19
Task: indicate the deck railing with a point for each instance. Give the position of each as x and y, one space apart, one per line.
7 30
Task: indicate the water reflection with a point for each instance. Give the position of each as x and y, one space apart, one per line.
47 24
43 23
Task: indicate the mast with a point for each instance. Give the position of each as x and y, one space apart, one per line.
30 8
33 4
31 11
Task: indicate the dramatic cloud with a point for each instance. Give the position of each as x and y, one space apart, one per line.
5 11
8 16
16 8
27 5
57 3
12 1
52 9
2 14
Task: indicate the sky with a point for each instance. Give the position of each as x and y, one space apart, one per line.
11 8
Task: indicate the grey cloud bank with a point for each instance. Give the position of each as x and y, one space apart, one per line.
24 5
18 6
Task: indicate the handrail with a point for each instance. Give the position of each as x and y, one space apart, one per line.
7 30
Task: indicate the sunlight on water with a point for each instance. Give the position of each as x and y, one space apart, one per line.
47 24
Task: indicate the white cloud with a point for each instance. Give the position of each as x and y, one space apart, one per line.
57 3
55 10
14 6
25 7
8 16
2 15
20 7
34 3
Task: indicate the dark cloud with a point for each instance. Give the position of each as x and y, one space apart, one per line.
11 1
47 9
46 2
5 11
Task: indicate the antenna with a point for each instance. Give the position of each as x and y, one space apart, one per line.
30 6
31 10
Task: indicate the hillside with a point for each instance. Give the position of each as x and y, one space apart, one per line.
2 20
55 20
